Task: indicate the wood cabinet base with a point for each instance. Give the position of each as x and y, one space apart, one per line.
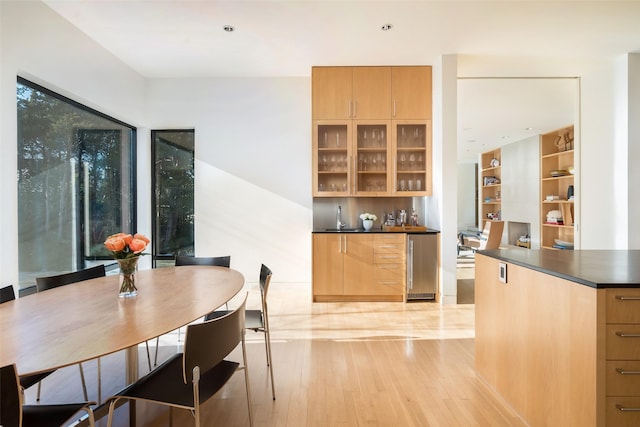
358 298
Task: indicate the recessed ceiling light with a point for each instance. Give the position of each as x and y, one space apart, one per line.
386 27
505 137
471 140
229 28
528 128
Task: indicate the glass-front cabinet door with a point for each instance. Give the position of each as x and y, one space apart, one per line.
332 153
371 158
412 158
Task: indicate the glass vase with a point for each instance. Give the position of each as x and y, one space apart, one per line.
128 268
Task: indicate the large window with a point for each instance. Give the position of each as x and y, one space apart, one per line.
76 182
173 204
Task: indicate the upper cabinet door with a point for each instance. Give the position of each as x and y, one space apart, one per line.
411 93
371 93
332 90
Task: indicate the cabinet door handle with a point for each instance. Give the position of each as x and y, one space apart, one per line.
626 409
394 107
627 335
623 372
355 108
349 108
345 244
340 245
626 298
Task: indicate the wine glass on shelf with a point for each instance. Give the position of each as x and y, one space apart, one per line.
412 161
403 159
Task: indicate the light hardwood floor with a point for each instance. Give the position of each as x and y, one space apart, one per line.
335 364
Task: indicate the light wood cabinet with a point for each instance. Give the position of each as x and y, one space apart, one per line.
491 185
358 267
556 189
361 147
537 344
349 258
411 151
623 357
332 92
351 93
559 352
390 265
411 93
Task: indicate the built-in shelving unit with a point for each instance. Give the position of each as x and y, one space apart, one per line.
557 189
491 187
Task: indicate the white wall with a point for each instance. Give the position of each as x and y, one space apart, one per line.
467 203
253 176
521 186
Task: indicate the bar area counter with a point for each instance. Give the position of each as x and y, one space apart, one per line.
558 334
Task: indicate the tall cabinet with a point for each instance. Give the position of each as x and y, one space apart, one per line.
491 185
371 131
557 190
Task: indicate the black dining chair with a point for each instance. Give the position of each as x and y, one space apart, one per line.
8 294
220 261
189 379
50 282
13 413
258 320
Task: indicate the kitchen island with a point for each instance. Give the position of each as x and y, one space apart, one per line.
558 334
376 265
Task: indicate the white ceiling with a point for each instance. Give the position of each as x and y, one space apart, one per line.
181 38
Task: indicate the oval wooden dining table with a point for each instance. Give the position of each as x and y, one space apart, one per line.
86 320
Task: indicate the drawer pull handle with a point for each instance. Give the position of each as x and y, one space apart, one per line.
626 298
623 372
625 409
627 335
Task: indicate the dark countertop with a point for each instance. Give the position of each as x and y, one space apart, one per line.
594 268
373 230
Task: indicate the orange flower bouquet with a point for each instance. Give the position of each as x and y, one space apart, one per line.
127 249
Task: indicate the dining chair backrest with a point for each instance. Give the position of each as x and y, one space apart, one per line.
265 280
50 282
10 404
208 343
7 294
220 261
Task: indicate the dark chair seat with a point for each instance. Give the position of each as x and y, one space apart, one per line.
50 415
165 383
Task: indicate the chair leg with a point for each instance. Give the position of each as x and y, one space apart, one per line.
146 344
267 342
246 381
39 388
84 384
99 382
155 358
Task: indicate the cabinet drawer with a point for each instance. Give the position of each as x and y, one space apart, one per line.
389 272
388 243
623 411
623 342
623 305
623 378
388 257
